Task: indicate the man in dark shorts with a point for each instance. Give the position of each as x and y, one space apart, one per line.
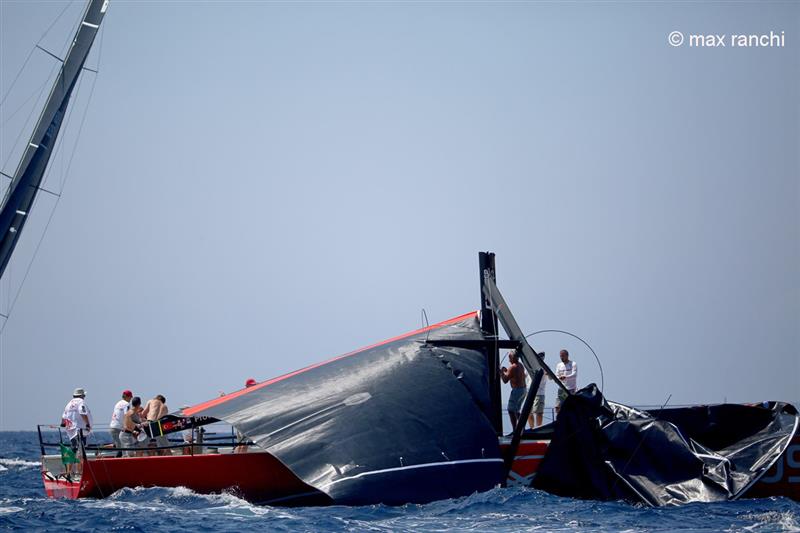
515 374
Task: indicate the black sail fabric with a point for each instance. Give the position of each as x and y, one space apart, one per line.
603 450
397 422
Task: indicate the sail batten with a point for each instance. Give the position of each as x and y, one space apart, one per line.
27 179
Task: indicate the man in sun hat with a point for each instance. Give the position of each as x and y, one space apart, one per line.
77 419
116 426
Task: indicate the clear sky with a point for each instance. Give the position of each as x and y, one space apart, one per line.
258 186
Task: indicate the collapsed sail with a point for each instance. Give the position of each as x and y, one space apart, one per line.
30 171
603 450
397 422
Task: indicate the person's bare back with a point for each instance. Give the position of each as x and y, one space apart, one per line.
152 411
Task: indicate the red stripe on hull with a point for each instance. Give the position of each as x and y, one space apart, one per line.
526 461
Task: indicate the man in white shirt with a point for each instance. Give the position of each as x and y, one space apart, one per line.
76 417
116 426
567 372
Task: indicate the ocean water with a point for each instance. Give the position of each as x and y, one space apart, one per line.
23 506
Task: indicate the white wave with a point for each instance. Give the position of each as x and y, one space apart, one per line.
175 498
2 468
9 510
16 461
225 502
781 521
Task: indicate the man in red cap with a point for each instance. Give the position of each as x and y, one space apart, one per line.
117 419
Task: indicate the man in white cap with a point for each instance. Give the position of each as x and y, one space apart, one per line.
76 417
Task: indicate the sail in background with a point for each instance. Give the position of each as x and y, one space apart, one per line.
30 171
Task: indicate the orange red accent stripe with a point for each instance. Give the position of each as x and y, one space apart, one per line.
222 399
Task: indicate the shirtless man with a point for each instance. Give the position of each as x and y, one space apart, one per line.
515 373
131 427
155 409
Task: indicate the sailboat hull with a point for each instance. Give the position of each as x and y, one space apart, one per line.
255 476
260 478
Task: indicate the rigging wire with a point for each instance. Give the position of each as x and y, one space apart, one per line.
66 174
602 381
50 77
30 54
53 73
38 91
96 71
55 69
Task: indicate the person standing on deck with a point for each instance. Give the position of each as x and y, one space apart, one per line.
76 418
118 419
155 409
538 403
515 374
567 372
131 427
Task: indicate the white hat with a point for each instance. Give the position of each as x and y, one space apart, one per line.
78 392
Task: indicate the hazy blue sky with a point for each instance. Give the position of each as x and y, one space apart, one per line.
259 186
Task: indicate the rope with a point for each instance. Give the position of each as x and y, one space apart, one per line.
602 382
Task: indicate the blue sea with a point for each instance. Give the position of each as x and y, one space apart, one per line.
23 506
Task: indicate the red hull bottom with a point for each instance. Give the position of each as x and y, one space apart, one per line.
256 476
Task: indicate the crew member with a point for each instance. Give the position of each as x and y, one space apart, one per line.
77 420
155 409
132 427
535 418
515 374
117 419
567 372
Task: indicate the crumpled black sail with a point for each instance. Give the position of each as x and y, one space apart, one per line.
604 450
398 422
